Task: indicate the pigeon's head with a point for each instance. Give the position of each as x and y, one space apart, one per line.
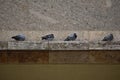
75 34
111 34
52 34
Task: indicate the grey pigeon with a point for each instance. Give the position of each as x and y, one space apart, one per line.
48 37
71 37
108 37
19 37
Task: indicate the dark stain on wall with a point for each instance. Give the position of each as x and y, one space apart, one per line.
59 56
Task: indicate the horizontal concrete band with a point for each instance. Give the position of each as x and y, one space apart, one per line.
59 45
59 15
86 40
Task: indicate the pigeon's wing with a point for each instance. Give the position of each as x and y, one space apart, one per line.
71 35
104 39
48 37
67 39
108 38
22 37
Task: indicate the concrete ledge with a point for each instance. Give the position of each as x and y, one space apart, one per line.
65 45
59 45
27 45
104 45
86 40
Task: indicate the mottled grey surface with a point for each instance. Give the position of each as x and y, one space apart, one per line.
3 45
59 14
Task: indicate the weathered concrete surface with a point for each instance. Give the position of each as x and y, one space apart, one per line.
3 45
108 57
59 45
3 57
71 45
30 56
59 57
27 45
92 56
59 15
24 56
104 45
69 57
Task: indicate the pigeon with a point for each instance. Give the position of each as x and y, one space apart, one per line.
71 37
19 37
108 37
48 37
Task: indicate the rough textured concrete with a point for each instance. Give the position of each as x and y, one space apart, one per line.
59 15
28 45
3 45
104 45
72 45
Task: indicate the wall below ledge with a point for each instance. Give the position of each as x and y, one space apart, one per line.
59 57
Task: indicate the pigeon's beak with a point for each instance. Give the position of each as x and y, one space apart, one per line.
12 37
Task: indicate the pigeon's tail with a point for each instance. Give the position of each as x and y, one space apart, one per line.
43 38
75 35
13 37
104 39
18 38
66 39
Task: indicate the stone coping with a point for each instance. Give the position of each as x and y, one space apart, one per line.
59 45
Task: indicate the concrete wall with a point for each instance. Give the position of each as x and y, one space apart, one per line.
59 15
33 65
